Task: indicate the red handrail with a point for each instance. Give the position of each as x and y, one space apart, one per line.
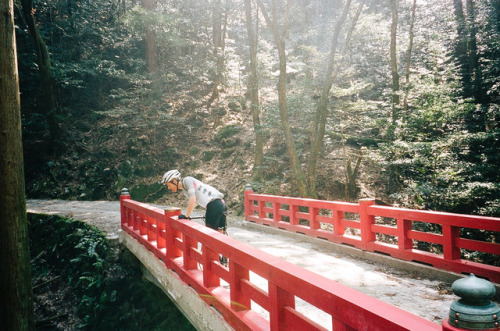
176 244
355 224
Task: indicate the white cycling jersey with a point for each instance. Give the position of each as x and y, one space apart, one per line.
204 193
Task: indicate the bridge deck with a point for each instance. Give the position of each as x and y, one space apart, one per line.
429 299
423 297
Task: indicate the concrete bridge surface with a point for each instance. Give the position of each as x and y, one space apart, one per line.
420 290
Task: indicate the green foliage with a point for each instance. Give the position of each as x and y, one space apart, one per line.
111 295
439 164
122 122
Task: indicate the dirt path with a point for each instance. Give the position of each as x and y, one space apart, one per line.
426 298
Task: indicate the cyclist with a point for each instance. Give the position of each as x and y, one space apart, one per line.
201 194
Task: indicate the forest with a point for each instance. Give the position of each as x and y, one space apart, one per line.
398 100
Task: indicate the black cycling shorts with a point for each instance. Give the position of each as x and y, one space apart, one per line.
215 216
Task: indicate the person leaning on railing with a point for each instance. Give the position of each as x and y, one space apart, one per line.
201 194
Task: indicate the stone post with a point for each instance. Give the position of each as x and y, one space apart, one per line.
475 310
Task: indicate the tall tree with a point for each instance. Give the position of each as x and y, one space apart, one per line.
473 53
279 32
44 68
408 58
253 86
219 26
16 296
150 40
394 65
318 132
461 52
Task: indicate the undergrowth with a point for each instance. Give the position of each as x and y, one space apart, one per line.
77 286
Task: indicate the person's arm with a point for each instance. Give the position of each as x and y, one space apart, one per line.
191 205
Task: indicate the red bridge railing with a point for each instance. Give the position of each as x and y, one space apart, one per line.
231 291
382 229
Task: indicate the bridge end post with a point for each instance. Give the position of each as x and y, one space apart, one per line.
248 191
475 310
124 195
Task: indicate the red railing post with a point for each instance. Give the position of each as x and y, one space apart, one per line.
248 191
338 229
188 243
450 250
276 211
238 274
293 213
160 233
404 226
210 279
171 234
143 224
279 299
124 214
151 228
135 221
314 223
262 213
366 220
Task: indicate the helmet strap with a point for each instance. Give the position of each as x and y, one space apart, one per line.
176 183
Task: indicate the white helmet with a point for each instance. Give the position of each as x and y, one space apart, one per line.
171 175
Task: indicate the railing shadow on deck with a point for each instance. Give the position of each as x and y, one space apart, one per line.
231 291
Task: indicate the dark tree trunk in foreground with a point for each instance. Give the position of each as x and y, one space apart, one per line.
16 297
254 90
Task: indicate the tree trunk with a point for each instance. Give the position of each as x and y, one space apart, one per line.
394 66
461 53
16 296
322 106
408 59
254 92
279 38
478 93
150 41
44 66
219 25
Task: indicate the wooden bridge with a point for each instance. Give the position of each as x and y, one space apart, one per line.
183 259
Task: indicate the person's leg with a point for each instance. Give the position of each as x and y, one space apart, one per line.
215 216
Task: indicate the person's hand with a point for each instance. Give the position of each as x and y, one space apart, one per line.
184 217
